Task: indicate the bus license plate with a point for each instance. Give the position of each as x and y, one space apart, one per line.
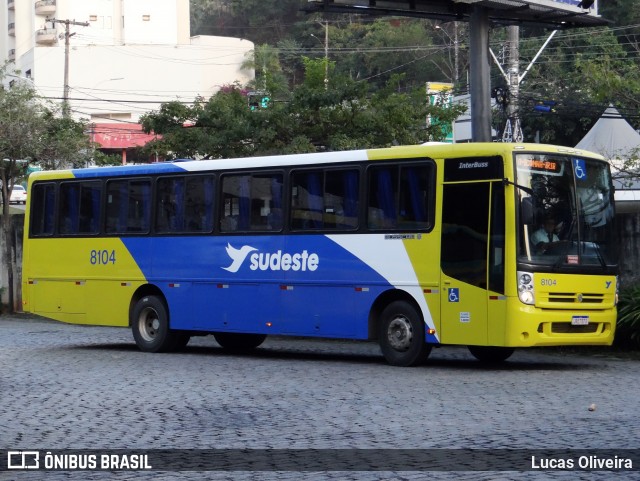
580 320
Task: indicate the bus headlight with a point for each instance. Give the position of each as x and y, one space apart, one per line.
525 288
617 291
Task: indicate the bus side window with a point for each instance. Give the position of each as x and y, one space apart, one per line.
399 196
139 215
341 199
170 205
42 209
199 204
274 215
382 197
90 207
128 206
235 204
325 199
307 200
251 203
414 197
266 202
69 215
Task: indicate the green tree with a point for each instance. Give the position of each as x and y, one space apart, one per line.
582 72
63 143
270 78
261 21
341 115
169 122
30 132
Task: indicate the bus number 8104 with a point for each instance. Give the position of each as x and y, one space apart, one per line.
102 257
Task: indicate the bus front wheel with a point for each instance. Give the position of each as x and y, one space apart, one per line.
238 342
491 354
150 326
402 335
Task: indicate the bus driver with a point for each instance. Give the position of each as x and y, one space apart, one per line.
543 237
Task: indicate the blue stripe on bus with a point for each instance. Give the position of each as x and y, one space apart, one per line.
159 168
304 285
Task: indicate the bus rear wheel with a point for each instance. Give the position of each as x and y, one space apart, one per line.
491 354
150 326
239 342
402 335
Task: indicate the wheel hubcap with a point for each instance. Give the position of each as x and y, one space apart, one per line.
148 324
400 333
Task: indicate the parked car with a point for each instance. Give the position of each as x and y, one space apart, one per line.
18 195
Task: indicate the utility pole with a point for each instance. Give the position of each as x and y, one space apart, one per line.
67 23
456 53
513 129
325 24
326 55
480 88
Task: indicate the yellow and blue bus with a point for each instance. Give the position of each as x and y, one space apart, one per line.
413 247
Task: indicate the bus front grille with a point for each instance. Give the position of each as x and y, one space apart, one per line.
571 297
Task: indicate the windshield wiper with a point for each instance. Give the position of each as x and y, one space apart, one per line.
528 190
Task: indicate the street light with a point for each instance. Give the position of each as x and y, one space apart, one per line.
95 87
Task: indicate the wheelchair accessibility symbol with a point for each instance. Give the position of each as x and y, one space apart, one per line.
580 169
454 294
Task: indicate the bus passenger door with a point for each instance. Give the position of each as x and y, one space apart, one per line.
464 296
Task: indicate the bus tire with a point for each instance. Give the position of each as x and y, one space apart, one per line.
402 335
239 342
491 354
150 325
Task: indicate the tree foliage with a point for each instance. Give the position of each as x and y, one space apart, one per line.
32 132
579 74
582 70
343 114
260 21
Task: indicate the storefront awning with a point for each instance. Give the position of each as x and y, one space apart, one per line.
120 135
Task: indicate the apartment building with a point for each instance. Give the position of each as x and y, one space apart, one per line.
125 58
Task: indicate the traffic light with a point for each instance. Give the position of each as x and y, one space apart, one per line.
258 100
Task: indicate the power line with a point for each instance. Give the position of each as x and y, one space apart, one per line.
67 35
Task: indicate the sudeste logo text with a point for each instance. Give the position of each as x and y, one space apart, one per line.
271 261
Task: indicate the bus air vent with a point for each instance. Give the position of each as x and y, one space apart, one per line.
567 328
584 298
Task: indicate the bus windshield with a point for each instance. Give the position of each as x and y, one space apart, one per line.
566 213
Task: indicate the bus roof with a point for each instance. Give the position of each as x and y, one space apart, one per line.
417 151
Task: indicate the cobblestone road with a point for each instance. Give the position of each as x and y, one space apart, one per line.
73 387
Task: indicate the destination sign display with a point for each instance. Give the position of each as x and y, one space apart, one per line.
542 164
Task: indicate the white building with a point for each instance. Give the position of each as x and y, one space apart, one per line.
131 56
